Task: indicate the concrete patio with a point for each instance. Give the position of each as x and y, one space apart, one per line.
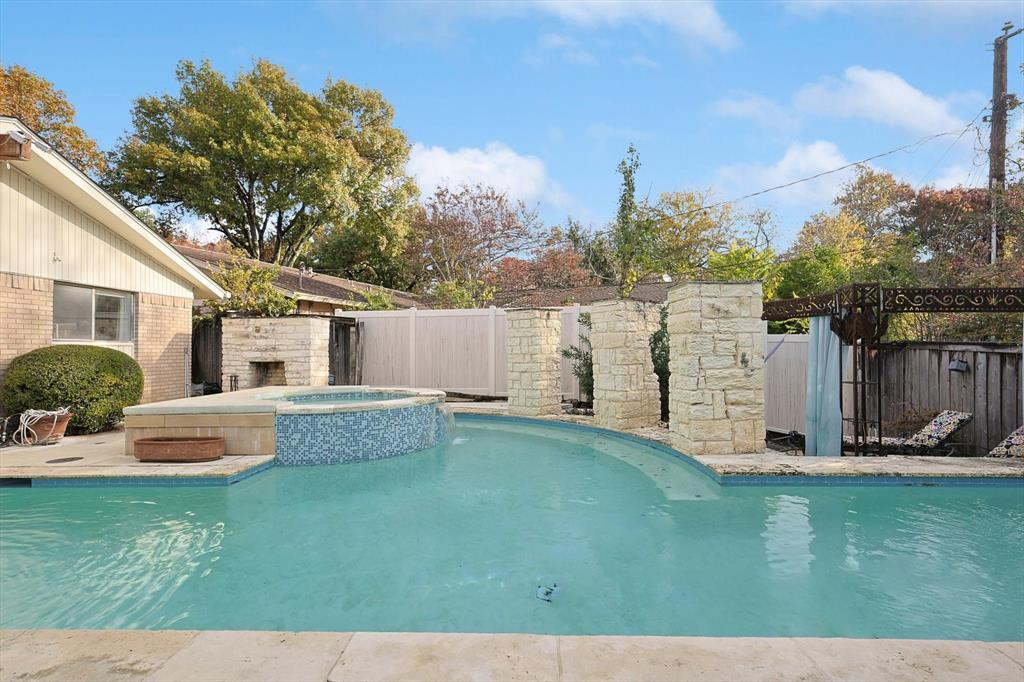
101 456
226 656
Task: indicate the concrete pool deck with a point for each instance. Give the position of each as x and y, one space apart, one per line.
226 656
103 460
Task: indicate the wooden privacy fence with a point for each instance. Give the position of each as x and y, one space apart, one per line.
459 351
916 381
917 378
206 345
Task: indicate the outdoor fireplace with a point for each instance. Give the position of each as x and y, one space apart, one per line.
267 374
278 351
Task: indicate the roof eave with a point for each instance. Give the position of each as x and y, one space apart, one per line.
61 176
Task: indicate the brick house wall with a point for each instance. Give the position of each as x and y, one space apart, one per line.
163 332
163 347
26 316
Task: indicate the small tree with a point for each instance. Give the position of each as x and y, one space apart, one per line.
659 356
472 293
582 357
252 291
378 299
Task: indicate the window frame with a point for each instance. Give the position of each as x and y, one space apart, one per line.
94 291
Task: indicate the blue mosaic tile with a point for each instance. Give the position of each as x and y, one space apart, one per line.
357 436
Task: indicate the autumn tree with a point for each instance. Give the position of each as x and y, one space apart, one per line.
267 164
47 111
553 266
462 233
877 201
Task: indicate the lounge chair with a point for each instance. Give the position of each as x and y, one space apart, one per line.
1011 446
931 439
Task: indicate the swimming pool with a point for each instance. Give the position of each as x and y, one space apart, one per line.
458 537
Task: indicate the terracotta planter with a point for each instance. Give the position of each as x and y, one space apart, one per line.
179 449
49 430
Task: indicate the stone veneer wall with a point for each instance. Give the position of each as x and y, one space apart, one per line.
301 342
626 392
533 336
243 433
716 400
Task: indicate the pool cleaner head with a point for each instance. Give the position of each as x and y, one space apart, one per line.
545 593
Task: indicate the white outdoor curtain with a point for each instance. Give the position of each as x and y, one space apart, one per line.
824 427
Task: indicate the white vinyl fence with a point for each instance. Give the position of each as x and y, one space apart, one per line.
463 351
459 351
785 381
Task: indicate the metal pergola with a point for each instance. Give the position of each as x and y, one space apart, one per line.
860 317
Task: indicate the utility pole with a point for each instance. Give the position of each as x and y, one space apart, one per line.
997 133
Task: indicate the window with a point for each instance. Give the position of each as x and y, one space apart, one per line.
85 314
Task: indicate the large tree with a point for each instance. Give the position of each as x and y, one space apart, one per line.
269 165
47 111
464 232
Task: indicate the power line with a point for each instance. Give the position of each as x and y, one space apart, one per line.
914 145
952 144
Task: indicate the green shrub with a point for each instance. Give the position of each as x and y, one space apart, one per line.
95 383
582 357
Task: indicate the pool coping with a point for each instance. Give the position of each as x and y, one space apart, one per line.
228 655
275 400
728 479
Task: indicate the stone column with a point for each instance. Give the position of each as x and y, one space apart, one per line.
716 338
534 366
625 386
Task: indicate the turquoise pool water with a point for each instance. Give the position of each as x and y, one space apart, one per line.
458 537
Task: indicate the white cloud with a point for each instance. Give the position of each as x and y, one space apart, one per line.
944 12
758 109
564 47
958 175
798 161
697 21
880 96
523 177
642 61
199 229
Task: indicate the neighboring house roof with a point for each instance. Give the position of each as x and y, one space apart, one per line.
653 292
344 293
51 169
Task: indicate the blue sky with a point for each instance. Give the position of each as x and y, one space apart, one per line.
542 98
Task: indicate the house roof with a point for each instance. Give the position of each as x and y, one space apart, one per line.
61 176
318 287
652 292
